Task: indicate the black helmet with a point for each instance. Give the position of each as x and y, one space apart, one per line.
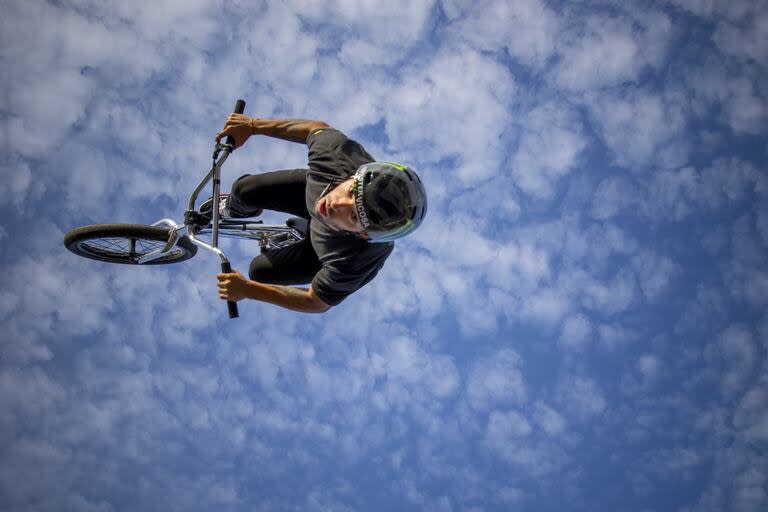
390 200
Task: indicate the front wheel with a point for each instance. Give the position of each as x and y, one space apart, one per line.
126 243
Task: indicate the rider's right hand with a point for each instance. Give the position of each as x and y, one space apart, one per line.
239 127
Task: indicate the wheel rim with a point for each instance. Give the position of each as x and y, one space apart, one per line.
125 248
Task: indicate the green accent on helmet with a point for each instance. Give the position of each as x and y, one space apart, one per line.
396 165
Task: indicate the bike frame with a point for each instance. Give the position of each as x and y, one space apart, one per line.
268 236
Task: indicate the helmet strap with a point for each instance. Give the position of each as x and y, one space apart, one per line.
330 186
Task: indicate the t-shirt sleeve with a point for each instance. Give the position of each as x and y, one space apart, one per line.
329 138
335 282
322 145
333 153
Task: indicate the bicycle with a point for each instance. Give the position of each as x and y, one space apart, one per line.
167 241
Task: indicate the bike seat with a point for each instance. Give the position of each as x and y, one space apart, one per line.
299 224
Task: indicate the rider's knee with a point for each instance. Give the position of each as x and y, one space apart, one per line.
238 186
257 271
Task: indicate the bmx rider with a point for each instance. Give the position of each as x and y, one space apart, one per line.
356 207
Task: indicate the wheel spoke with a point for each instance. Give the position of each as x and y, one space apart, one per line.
126 248
127 244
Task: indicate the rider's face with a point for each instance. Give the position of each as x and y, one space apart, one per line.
337 208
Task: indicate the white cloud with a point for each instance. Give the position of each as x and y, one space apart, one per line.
399 23
611 50
744 106
508 437
654 273
670 463
745 39
405 361
54 294
510 495
9 302
520 265
699 314
581 397
276 33
496 380
606 54
649 366
762 223
550 144
641 127
491 201
29 393
547 305
441 236
505 425
527 29
613 196
53 89
751 415
746 276
592 246
734 96
734 349
675 194
18 185
613 336
435 113
607 297
730 180
576 331
671 192
548 419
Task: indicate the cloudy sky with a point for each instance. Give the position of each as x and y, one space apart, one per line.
580 324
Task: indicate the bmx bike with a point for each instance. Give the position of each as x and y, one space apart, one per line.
167 241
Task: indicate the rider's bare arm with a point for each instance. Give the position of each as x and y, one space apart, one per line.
235 286
294 130
240 127
289 297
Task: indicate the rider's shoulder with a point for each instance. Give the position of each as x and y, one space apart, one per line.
327 136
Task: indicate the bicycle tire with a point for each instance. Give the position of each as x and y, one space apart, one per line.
125 243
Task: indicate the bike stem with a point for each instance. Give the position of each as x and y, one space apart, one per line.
222 152
220 155
217 196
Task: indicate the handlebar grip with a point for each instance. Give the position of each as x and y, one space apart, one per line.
231 305
239 109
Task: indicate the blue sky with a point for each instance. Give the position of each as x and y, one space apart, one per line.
580 324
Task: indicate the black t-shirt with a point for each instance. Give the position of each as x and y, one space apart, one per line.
349 262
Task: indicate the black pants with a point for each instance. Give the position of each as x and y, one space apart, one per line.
281 191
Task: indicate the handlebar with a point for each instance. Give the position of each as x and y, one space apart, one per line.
225 266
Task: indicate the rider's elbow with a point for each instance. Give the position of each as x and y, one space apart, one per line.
317 308
316 304
320 125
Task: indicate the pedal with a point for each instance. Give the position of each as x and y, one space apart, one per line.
196 219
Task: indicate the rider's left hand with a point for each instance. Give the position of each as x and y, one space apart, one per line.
232 286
